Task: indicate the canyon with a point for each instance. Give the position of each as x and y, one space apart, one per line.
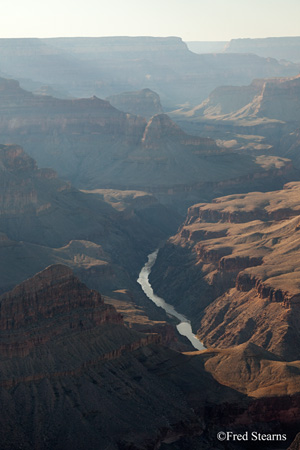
68 361
103 236
239 257
108 145
104 66
96 146
261 118
68 351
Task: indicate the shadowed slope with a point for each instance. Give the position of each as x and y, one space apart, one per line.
233 267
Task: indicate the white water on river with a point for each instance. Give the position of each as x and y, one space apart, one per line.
184 327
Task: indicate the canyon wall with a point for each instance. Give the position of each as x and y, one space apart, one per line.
232 268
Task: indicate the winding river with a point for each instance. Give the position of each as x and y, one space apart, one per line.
184 327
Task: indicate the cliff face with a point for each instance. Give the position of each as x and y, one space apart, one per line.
60 349
96 146
87 128
32 198
274 99
103 236
263 116
38 207
145 103
72 375
53 303
239 255
14 198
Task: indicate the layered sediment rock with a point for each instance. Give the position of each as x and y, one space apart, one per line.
49 310
72 375
269 99
263 116
52 303
103 236
87 66
94 145
39 208
58 340
240 256
145 103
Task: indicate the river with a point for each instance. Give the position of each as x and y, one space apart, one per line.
184 327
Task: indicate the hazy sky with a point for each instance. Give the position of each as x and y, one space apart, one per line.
189 19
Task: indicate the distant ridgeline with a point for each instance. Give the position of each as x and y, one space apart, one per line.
83 67
286 48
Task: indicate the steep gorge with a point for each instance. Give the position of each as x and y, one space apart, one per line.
233 268
73 374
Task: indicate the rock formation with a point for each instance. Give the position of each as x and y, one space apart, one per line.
145 103
239 257
41 309
262 117
274 99
103 236
105 66
56 336
96 146
73 375
71 372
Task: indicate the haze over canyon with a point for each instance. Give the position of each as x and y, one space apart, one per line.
114 148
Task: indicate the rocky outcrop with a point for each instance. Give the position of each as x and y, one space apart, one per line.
19 192
39 208
13 158
237 259
68 363
254 365
73 137
161 128
245 282
274 99
262 117
135 318
145 103
59 341
103 236
243 208
51 304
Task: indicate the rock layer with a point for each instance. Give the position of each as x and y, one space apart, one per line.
240 256
145 103
105 66
55 301
72 375
96 146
